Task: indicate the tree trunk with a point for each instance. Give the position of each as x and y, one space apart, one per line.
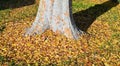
57 16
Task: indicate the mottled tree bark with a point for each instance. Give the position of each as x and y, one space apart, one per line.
57 16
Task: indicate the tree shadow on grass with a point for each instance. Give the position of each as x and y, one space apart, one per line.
85 18
6 4
11 4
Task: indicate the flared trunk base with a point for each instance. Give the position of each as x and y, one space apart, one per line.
57 16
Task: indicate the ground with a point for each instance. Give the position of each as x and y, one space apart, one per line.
100 46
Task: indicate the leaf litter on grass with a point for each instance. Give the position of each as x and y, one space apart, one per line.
50 47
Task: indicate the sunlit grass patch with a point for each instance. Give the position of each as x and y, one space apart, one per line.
80 5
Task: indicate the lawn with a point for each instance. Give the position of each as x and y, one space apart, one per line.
99 46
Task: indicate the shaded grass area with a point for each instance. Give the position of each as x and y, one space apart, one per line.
85 18
10 4
16 10
18 14
100 48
